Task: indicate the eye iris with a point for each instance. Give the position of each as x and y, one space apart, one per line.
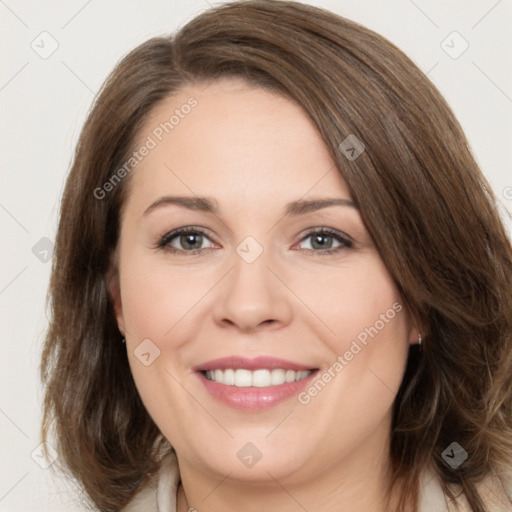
188 238
321 245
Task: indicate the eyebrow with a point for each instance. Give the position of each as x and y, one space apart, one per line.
209 205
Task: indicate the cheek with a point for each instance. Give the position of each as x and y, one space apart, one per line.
369 353
155 302
367 335
160 306
357 302
157 297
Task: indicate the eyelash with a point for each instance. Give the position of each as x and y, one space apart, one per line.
164 242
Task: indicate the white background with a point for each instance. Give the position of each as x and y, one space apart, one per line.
43 105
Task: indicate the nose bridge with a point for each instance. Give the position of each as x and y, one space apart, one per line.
250 276
251 294
250 249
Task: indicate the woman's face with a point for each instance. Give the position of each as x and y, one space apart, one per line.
257 284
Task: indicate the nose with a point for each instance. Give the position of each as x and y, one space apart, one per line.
251 297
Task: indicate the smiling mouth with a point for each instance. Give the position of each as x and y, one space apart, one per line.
243 378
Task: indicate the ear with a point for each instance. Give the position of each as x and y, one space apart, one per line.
414 335
114 291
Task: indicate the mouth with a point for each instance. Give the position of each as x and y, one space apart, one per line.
254 384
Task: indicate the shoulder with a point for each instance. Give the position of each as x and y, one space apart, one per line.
159 494
495 491
145 499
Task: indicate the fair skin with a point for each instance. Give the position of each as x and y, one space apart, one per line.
254 152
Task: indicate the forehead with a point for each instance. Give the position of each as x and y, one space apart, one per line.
232 140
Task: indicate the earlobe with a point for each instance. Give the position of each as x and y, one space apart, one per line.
415 337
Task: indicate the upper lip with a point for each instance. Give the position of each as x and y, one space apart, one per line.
239 362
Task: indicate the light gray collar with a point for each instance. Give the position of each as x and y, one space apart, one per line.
168 482
431 498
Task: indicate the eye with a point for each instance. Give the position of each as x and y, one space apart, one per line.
322 240
188 240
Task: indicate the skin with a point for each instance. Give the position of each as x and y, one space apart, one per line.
254 151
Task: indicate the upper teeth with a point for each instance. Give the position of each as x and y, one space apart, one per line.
258 378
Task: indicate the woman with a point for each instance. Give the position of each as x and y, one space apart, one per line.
280 281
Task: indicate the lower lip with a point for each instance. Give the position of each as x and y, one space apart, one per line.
253 398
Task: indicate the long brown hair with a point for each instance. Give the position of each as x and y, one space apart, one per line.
423 199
